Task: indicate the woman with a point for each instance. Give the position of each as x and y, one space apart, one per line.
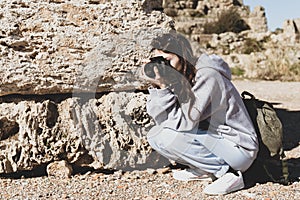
201 120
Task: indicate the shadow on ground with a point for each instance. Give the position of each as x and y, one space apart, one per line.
41 171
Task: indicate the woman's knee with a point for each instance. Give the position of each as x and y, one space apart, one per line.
163 138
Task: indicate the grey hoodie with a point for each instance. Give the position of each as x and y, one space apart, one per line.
216 103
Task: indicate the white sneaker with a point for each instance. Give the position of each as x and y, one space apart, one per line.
228 183
190 175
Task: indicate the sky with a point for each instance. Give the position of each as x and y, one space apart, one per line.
277 11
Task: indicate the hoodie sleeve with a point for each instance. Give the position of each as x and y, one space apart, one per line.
164 107
159 102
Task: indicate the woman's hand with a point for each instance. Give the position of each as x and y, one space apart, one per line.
157 81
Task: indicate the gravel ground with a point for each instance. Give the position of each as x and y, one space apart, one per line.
147 184
158 183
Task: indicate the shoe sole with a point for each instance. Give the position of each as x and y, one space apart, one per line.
234 189
196 178
224 193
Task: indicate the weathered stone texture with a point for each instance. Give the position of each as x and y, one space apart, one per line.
60 169
291 29
60 62
45 47
190 16
258 20
104 132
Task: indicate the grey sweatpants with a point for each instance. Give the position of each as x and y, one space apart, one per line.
206 152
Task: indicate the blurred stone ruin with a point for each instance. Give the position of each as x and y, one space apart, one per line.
255 52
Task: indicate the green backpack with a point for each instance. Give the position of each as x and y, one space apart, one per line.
269 164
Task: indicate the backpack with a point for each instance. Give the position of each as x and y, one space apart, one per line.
269 164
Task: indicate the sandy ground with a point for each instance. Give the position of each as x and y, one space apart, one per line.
285 94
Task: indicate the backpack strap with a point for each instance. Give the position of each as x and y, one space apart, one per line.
245 93
285 168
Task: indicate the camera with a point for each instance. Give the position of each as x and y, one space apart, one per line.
164 67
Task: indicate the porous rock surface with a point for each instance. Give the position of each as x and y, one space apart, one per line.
105 132
68 83
48 47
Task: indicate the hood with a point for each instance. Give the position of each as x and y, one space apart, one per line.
215 62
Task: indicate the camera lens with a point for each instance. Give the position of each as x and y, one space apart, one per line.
160 62
149 70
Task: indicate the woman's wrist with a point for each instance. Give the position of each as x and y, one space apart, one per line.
163 86
160 86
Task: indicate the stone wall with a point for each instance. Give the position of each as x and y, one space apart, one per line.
291 30
54 44
191 15
257 20
64 69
